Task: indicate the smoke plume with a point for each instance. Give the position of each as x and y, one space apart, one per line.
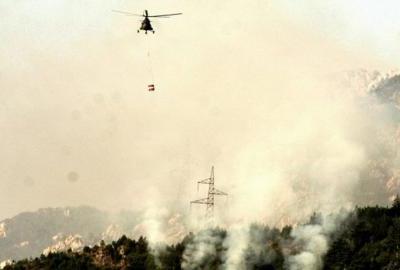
257 91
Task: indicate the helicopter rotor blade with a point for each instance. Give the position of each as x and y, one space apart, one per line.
127 13
156 18
165 15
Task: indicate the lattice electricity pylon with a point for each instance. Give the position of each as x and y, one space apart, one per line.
212 192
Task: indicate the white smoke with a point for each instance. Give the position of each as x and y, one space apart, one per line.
203 250
312 242
159 225
236 243
326 156
284 143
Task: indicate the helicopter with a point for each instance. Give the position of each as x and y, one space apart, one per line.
146 24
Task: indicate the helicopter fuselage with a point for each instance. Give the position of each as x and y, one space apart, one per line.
146 25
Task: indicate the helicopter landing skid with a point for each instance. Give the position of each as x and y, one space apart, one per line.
146 31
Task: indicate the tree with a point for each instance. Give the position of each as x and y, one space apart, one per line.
396 205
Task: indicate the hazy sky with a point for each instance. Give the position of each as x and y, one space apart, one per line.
78 126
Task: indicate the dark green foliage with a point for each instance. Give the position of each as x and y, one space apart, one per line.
285 233
395 211
67 261
171 257
368 239
371 240
125 253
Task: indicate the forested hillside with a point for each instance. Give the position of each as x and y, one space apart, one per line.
368 238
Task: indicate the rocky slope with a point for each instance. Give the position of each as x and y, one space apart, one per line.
54 229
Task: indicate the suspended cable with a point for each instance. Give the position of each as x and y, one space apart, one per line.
151 85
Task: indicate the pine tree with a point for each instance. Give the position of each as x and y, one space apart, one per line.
396 205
